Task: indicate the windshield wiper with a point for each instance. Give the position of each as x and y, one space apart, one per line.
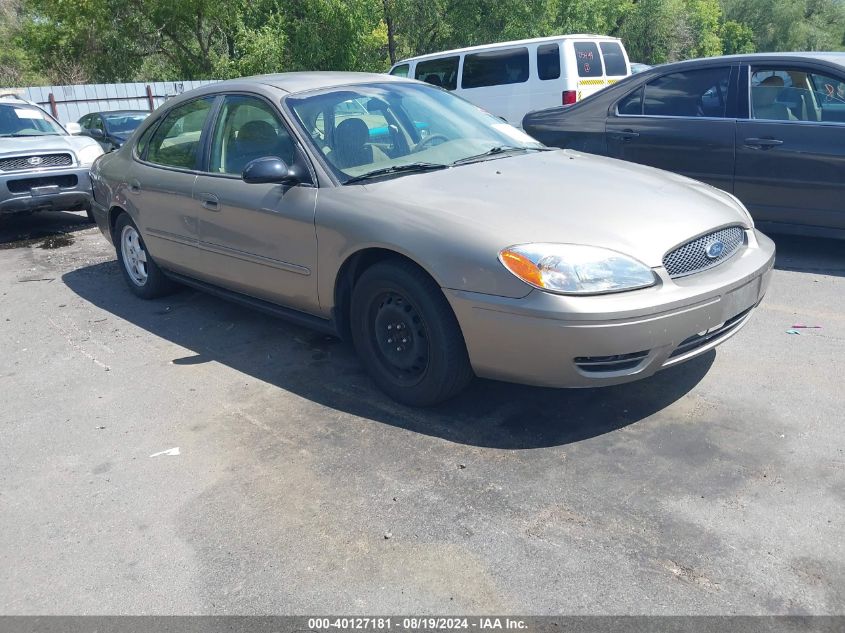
397 169
499 149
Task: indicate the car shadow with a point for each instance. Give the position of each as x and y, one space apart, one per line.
809 254
24 229
325 370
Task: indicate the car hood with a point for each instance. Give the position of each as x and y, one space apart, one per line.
565 197
16 146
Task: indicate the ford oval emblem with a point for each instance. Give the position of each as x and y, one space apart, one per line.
714 249
34 160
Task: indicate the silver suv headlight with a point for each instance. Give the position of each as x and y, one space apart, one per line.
88 154
575 269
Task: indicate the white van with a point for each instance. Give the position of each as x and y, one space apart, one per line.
511 79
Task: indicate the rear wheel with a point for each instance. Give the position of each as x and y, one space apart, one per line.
144 277
407 335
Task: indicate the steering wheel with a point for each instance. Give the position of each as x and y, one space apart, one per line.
429 140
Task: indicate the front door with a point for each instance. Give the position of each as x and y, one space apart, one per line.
791 150
682 122
258 239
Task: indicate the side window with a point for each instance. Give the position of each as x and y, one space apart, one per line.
401 70
548 61
695 93
96 123
796 95
632 104
143 142
614 59
588 60
175 142
829 97
248 128
439 72
84 121
495 68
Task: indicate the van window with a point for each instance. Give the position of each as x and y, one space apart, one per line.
441 72
548 61
587 57
614 60
495 68
400 71
694 93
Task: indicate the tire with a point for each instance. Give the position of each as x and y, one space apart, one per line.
425 362
144 278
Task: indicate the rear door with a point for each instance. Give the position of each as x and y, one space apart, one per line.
257 239
161 184
791 149
683 122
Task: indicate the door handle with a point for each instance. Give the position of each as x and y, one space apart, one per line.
762 143
209 201
625 135
135 186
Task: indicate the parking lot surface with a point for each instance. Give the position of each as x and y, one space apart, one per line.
717 487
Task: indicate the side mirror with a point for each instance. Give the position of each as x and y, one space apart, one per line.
95 133
73 128
270 169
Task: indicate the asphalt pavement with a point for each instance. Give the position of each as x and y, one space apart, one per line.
187 455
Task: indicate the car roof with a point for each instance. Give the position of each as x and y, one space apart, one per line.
300 81
828 57
535 40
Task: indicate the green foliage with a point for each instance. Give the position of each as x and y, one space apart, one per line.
66 41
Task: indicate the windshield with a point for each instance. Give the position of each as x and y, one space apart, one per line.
378 127
24 120
124 124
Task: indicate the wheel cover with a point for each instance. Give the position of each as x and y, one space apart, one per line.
400 337
134 255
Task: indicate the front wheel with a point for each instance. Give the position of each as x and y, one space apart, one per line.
144 277
407 335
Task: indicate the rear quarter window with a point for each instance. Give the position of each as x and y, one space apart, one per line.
495 68
588 60
548 61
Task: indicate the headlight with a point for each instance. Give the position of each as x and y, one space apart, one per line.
88 154
575 269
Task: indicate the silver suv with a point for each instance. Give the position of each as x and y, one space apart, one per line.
42 167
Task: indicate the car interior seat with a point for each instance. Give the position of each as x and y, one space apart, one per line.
351 147
255 139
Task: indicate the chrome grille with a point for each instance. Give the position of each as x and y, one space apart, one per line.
693 256
18 163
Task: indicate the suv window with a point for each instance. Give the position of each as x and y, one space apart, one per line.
400 71
441 72
796 95
548 61
495 68
175 142
694 93
632 104
587 57
614 59
247 129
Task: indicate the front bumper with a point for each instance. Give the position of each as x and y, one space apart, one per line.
564 341
45 190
